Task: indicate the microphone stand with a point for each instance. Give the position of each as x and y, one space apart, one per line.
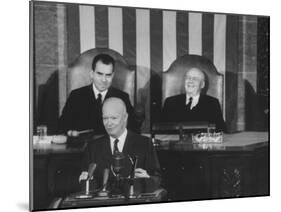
91 171
116 167
104 192
87 192
132 177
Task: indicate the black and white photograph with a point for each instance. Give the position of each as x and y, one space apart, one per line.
138 105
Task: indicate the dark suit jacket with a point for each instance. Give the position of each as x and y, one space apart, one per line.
99 152
208 109
81 111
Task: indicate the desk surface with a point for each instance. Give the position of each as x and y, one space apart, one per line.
159 195
243 141
51 148
237 141
73 145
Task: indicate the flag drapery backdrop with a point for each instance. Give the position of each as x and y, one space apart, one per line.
151 39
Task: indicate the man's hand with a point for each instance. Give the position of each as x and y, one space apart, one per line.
141 173
83 176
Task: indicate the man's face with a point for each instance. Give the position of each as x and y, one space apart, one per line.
194 81
114 119
102 76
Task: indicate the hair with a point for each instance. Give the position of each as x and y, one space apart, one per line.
116 100
105 59
198 69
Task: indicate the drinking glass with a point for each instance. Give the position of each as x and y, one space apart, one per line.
42 132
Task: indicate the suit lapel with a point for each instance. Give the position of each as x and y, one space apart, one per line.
107 146
182 104
92 94
200 100
184 99
128 143
109 93
92 101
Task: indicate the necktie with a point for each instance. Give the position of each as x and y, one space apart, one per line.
99 103
99 100
99 122
189 103
115 147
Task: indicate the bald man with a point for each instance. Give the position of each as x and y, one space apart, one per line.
129 144
193 105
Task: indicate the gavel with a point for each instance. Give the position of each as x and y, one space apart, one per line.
75 133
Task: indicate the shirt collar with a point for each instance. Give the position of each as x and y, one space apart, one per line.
121 142
195 100
96 92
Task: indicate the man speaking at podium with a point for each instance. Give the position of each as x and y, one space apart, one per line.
123 141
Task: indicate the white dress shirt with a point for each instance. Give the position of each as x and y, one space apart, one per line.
121 141
97 92
195 100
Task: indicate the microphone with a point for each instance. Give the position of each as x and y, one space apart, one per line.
105 177
134 162
104 192
118 163
134 166
91 170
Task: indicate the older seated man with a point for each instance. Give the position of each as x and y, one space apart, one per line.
193 105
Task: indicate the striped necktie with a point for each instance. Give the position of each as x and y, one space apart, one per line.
115 147
189 103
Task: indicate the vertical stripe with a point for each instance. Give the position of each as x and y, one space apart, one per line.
219 59
115 29
32 101
87 27
195 33
143 46
208 35
263 68
129 36
240 77
250 54
263 56
156 49
62 55
156 36
243 38
252 113
219 42
182 33
143 61
101 26
232 67
169 38
73 33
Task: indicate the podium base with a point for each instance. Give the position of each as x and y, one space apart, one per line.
77 200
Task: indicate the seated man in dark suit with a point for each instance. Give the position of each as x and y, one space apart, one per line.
82 110
122 141
194 106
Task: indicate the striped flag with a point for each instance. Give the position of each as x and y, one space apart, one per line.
174 33
151 39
